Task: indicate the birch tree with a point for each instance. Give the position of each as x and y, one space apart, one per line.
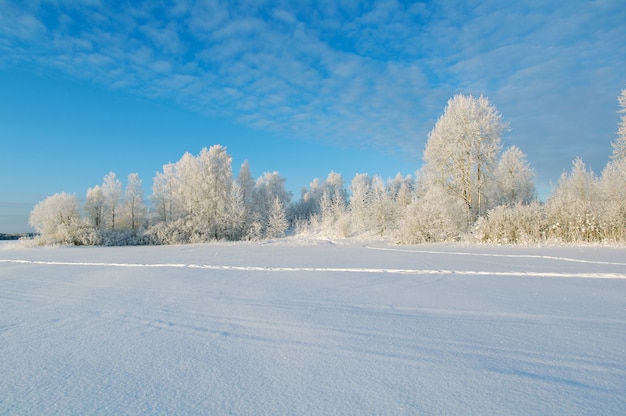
94 207
360 201
332 205
463 148
210 191
245 181
381 206
134 205
619 145
513 179
112 191
613 183
165 203
195 198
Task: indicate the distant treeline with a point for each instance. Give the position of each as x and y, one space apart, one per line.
16 236
469 188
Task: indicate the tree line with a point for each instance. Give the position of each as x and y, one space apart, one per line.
469 187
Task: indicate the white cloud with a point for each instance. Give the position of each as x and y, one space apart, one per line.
19 24
364 74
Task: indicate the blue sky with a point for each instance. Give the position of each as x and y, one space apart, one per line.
303 88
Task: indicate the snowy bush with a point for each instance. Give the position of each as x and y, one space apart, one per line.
124 237
57 219
520 223
434 217
174 232
572 210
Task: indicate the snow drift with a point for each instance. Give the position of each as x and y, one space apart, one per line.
292 327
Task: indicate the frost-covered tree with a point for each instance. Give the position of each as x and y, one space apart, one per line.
95 207
613 184
165 201
194 197
332 205
360 200
267 189
612 203
188 182
238 221
513 179
334 186
619 145
218 181
572 207
381 207
245 181
112 191
401 190
57 219
310 203
277 222
462 150
207 191
134 208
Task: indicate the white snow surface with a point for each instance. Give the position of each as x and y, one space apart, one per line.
292 327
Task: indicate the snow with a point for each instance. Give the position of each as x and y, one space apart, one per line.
312 327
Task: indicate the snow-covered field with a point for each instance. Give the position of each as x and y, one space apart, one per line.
313 327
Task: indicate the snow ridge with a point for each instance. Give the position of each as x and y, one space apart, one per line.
529 256
336 269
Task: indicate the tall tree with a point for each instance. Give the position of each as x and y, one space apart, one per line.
277 219
381 207
134 205
513 179
112 191
210 189
246 185
360 201
613 183
165 203
462 149
238 220
333 201
94 206
269 188
619 145
401 189
613 199
187 184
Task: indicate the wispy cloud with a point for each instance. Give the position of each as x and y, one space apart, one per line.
373 74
